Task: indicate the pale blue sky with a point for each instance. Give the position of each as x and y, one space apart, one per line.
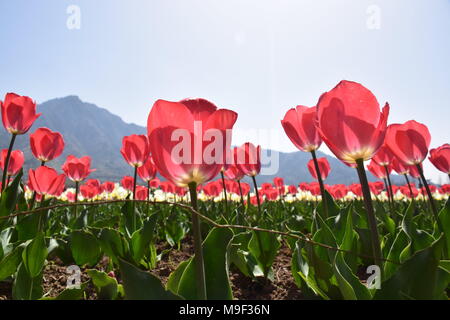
256 57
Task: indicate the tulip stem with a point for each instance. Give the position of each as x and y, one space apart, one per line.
390 185
225 201
77 185
242 201
370 213
198 257
430 198
409 187
148 197
255 185
40 226
6 164
133 204
322 187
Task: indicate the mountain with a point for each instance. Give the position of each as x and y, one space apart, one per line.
94 131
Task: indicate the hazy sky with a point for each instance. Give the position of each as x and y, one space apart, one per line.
257 57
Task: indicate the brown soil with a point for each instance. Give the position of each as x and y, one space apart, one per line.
244 288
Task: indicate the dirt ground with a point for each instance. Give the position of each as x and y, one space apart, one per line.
244 288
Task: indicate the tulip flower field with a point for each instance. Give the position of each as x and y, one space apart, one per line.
191 217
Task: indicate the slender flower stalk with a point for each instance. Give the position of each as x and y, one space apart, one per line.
255 185
242 201
77 189
409 186
225 200
370 213
133 204
8 156
389 184
198 258
430 198
322 187
40 222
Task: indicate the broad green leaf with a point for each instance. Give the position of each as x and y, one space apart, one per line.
349 284
416 278
69 294
9 196
216 270
174 278
264 247
10 262
34 255
85 248
141 239
141 285
114 244
444 217
106 286
26 287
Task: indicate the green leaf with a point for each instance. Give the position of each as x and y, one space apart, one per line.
444 217
114 244
141 239
34 255
349 284
264 247
9 263
10 195
106 286
216 270
174 279
26 287
85 248
68 294
416 278
141 285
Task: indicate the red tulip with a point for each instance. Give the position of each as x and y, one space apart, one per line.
154 183
194 122
234 173
248 159
378 170
409 142
167 186
356 189
399 167
141 193
292 189
93 182
127 183
16 161
350 122
324 167
300 126
70 196
135 150
18 113
440 158
245 188
278 182
46 181
46 145
414 172
108 186
77 169
147 172
213 189
384 156
89 191
339 191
